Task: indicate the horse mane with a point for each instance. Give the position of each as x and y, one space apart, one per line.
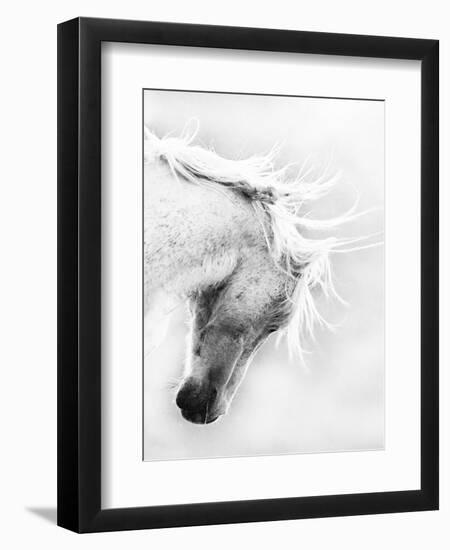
278 198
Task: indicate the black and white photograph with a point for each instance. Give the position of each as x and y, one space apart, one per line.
263 274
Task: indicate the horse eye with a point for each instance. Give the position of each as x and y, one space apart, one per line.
272 328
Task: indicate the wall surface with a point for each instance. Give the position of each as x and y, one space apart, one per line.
28 288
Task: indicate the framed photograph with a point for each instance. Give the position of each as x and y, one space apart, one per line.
248 275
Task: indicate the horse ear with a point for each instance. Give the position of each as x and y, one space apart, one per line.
190 130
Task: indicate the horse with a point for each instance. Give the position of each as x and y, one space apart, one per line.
232 238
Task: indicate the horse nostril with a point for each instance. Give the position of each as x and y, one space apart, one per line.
189 394
195 397
182 398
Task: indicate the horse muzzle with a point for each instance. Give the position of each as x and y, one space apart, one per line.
198 417
198 402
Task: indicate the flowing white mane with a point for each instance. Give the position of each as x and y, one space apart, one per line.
280 199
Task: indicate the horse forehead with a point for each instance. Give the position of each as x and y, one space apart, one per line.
259 275
253 300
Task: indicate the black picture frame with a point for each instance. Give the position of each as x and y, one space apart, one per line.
79 274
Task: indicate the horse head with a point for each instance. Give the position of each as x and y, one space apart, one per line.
229 322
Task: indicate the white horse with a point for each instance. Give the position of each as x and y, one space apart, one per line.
230 238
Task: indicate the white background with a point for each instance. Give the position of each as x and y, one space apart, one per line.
337 402
28 292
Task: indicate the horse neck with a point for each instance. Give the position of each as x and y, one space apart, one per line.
193 234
